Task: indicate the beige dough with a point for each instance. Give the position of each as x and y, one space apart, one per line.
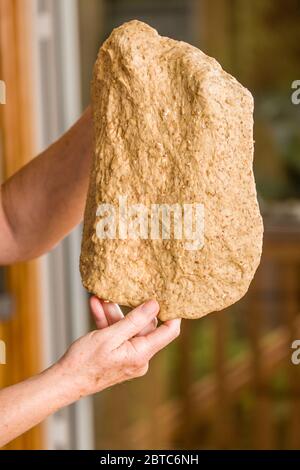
171 127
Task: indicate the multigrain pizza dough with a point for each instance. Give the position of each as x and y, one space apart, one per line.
171 128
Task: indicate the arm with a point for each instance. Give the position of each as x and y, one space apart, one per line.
27 403
119 350
45 199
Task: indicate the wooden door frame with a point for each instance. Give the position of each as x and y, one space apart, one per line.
22 333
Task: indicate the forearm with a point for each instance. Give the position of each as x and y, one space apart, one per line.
43 201
119 350
26 404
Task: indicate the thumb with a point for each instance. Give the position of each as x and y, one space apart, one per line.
134 322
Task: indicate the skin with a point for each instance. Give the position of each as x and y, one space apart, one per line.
44 200
39 205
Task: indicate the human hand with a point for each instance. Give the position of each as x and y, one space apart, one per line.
108 313
119 350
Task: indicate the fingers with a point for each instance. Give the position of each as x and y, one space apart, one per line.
134 322
105 313
108 313
158 339
152 325
113 312
98 313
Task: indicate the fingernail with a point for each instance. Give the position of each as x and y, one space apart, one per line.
113 307
117 309
150 306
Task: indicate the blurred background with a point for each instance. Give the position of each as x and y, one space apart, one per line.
228 382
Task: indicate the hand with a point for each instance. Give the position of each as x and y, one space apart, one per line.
119 350
108 313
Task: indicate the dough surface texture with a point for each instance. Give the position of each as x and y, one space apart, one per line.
171 127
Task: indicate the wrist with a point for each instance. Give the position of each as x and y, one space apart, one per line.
64 390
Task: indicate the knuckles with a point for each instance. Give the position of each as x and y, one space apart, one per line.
135 366
138 361
177 331
137 371
142 371
133 321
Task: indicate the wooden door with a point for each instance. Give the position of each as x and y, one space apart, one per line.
22 332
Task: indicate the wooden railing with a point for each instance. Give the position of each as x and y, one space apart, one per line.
229 381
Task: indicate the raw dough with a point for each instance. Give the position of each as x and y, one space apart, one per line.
171 127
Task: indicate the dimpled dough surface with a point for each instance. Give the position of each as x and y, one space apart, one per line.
171 127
